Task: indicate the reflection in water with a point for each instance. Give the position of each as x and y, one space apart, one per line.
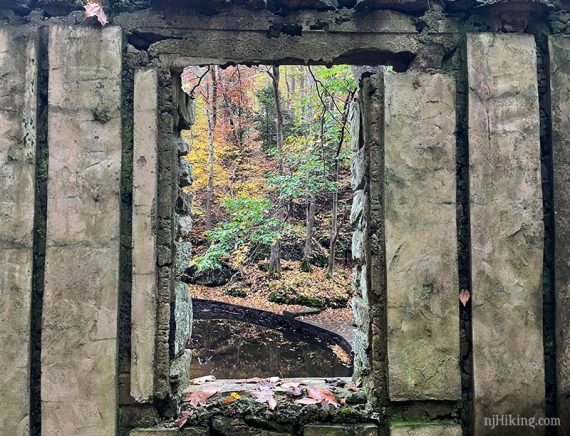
230 349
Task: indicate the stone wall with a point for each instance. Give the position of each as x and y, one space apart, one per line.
452 154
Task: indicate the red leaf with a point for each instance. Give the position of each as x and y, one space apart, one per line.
183 418
199 398
265 395
324 396
464 296
94 9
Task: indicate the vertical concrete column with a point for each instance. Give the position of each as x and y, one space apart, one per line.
18 116
143 300
559 49
421 237
506 229
80 311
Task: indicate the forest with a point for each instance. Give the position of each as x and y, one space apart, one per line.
270 159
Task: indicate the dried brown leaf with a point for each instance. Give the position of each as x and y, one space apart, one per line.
200 398
94 9
464 297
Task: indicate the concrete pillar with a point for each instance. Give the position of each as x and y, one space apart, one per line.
506 229
559 48
18 118
79 331
421 237
143 300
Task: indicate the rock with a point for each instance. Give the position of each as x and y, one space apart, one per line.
19 6
357 209
184 226
340 430
211 278
398 5
179 372
182 318
184 203
358 169
301 312
235 290
358 244
182 146
185 173
226 426
183 256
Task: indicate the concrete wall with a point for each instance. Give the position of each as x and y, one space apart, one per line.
80 307
18 137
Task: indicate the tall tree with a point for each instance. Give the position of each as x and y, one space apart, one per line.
212 96
275 258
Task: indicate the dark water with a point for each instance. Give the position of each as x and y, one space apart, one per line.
232 349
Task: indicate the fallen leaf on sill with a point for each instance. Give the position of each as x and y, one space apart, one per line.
199 398
324 396
265 395
94 9
184 416
233 396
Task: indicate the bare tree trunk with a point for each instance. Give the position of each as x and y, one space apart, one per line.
212 95
334 225
275 259
308 251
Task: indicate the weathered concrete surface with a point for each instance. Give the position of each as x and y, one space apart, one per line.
79 330
180 372
371 354
182 317
405 5
169 432
203 46
343 21
421 237
426 430
340 430
55 7
506 228
143 300
18 119
559 48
